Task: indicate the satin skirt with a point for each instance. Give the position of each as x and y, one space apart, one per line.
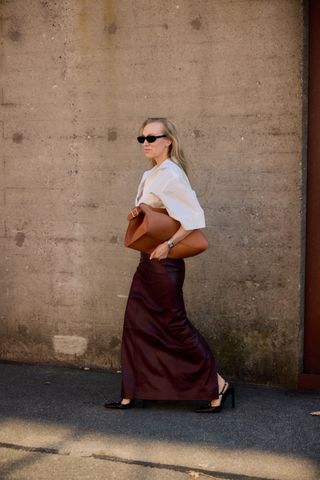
163 355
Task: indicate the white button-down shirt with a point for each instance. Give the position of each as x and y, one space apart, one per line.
167 186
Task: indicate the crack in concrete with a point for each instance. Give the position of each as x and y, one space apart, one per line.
214 475
13 446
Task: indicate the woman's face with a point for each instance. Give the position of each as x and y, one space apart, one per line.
158 150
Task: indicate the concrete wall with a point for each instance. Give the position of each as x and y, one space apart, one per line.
78 77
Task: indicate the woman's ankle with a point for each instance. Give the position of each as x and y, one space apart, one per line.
221 383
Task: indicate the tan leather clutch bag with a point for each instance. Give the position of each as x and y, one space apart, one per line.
148 227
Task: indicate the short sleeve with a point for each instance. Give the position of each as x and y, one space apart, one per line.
181 203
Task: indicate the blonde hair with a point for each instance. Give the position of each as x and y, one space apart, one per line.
176 152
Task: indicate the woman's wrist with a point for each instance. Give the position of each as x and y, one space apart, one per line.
170 243
165 244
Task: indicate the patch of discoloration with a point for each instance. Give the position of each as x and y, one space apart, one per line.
14 35
92 205
20 238
196 23
23 330
114 342
112 28
109 17
197 133
112 135
17 137
73 172
70 344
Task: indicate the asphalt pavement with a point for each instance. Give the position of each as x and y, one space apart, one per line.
54 426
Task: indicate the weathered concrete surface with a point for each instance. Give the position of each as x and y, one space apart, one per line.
78 77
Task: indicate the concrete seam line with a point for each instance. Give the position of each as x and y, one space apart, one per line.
180 468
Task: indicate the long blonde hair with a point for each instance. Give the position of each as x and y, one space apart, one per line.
176 152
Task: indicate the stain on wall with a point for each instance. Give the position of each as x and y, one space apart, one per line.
112 135
111 28
20 238
196 23
17 137
15 35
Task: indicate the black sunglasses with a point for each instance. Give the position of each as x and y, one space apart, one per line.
149 138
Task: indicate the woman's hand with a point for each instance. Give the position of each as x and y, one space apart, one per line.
161 252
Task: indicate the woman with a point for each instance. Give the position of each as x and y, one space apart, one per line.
163 356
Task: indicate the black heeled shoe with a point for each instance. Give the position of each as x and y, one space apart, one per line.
119 405
225 393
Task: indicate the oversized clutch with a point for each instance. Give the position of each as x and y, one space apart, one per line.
148 227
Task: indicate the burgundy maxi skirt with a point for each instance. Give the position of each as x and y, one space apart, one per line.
163 356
